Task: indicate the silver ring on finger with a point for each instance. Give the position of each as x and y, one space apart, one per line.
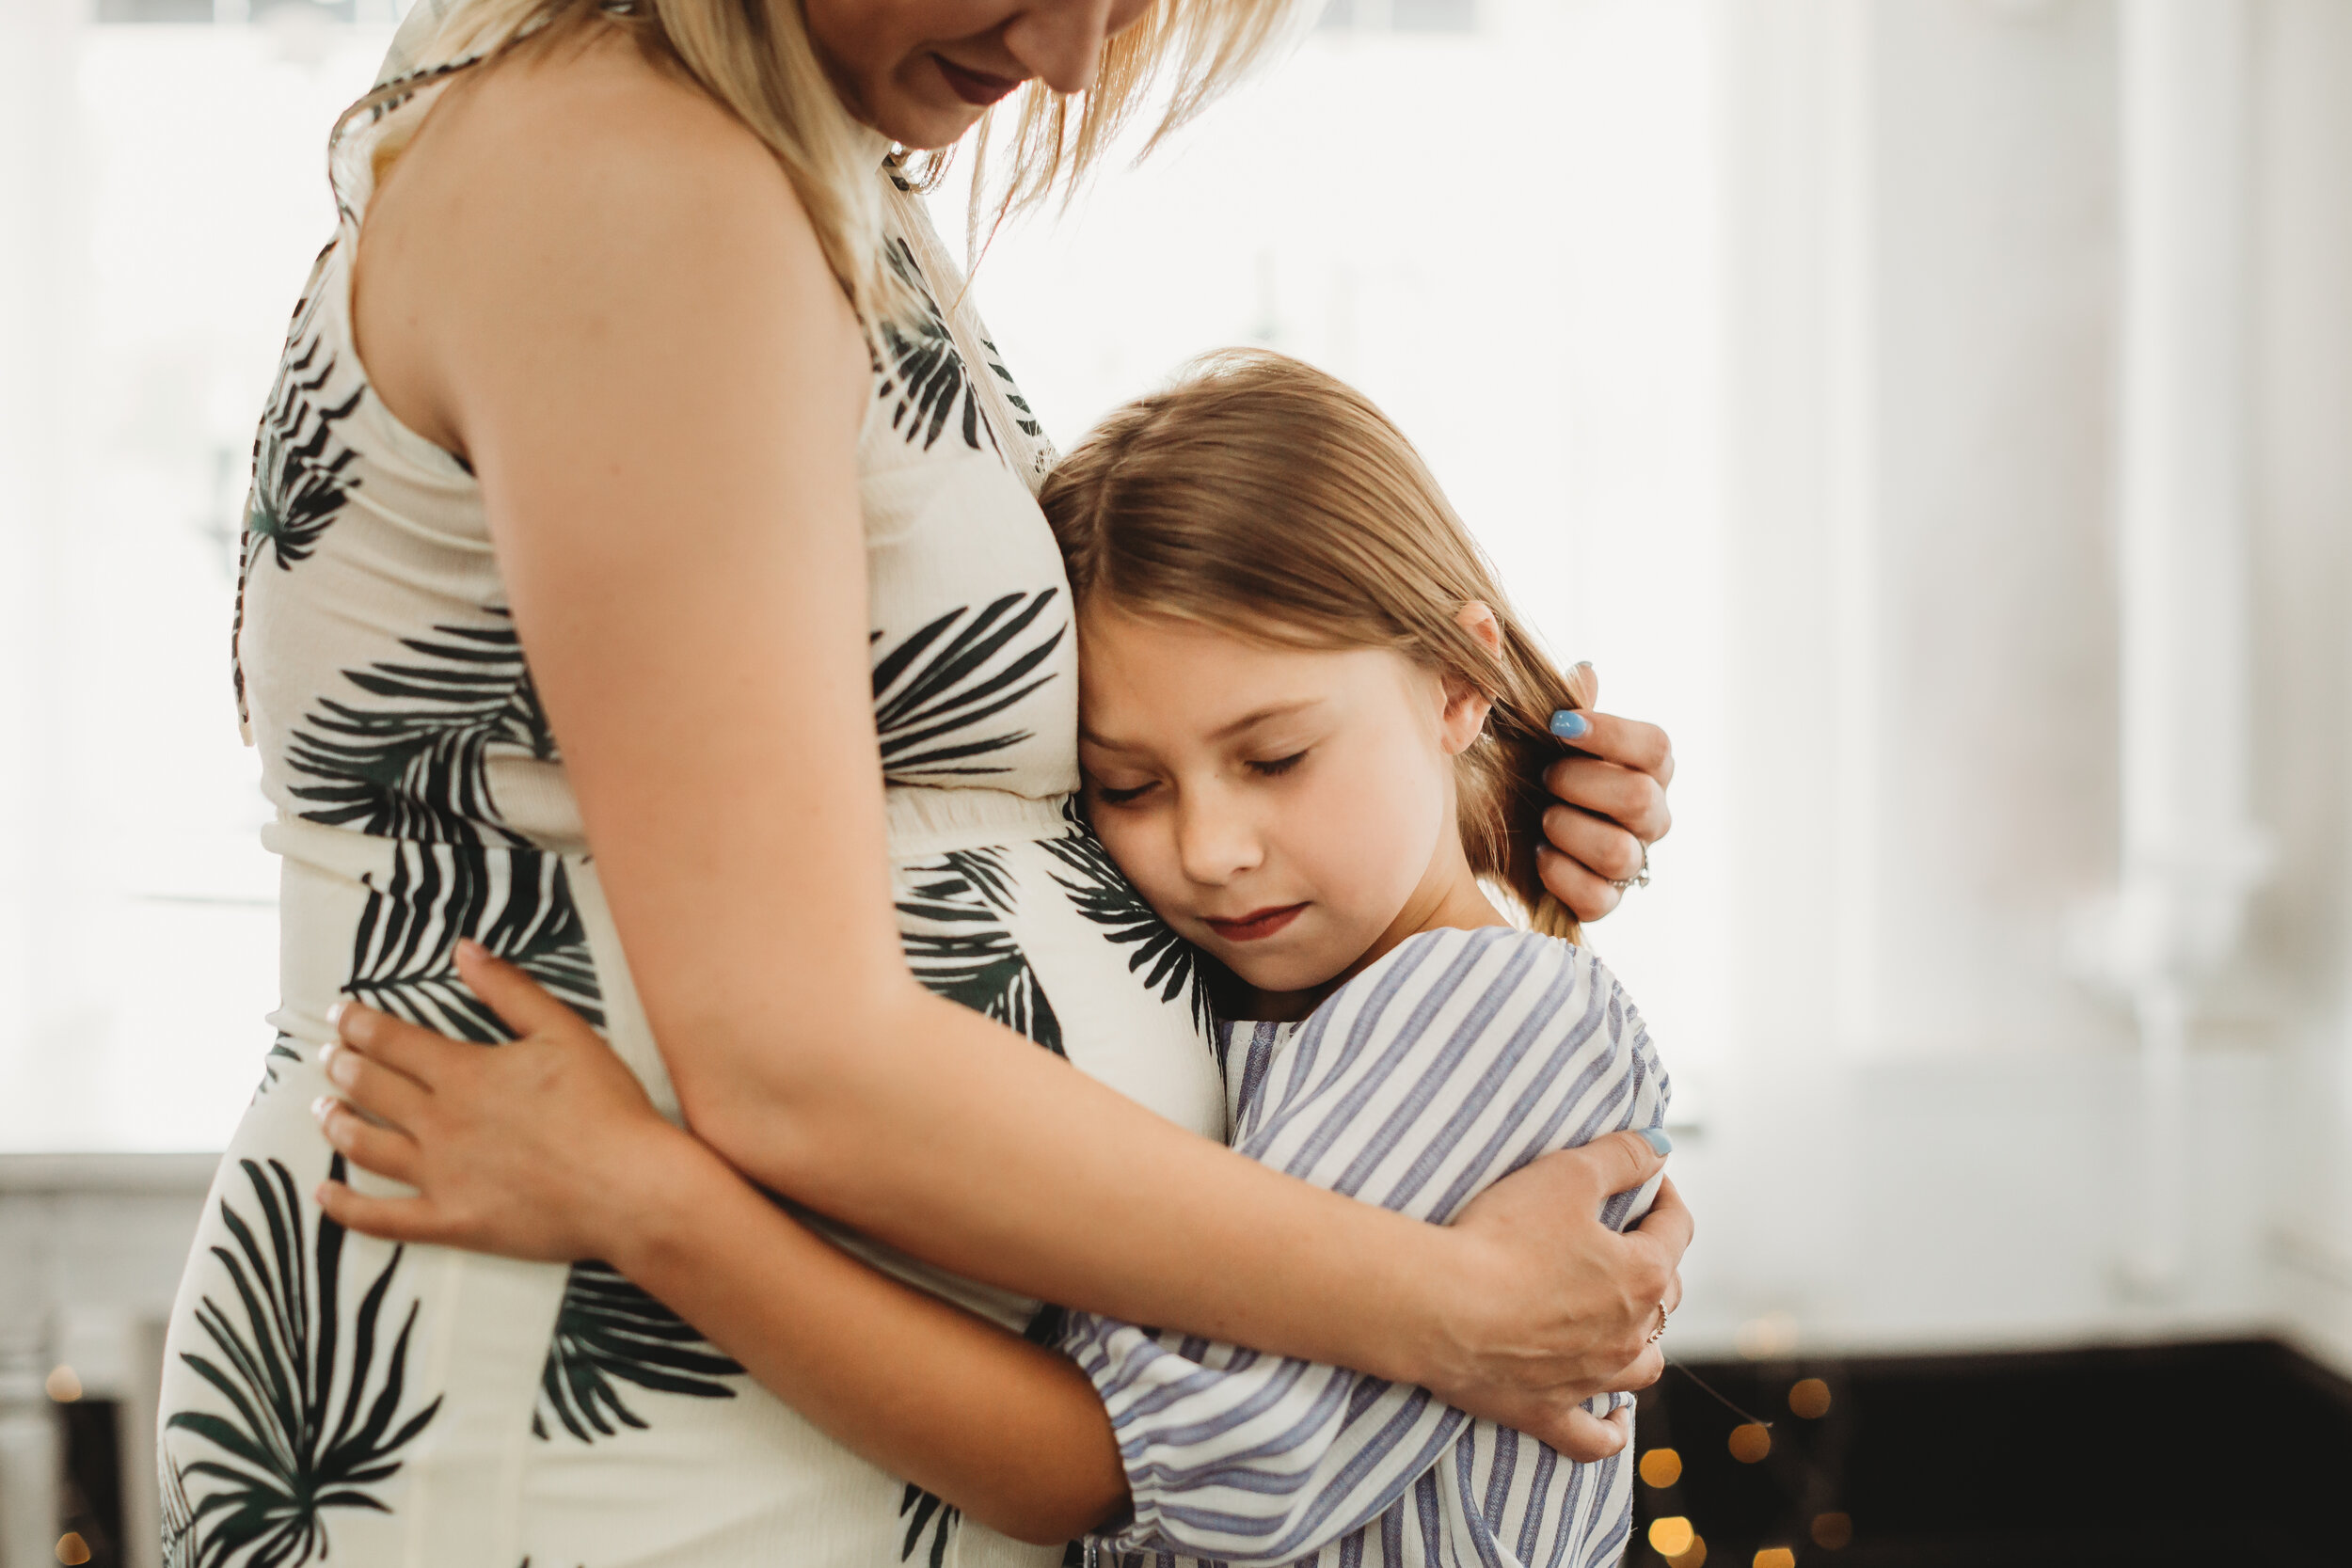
1639 878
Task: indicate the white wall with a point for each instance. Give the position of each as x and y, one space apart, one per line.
1932 1141
2302 392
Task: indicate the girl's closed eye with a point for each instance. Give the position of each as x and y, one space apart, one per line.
1275 767
1111 795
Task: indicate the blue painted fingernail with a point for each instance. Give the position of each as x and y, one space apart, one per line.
1568 725
1656 1137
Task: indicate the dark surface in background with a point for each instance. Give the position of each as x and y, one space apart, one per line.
2153 1457
2149 1457
92 1496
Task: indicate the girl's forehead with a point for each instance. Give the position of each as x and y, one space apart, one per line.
1127 645
1142 677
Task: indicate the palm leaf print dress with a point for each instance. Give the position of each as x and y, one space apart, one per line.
328 1394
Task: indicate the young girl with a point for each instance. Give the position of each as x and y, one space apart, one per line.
1312 736
1310 727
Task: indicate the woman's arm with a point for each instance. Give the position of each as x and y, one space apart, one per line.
1009 1432
615 307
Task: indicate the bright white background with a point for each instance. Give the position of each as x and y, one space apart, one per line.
1768 345
1529 295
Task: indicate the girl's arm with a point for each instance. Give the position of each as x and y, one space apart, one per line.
602 291
1232 1454
1009 1432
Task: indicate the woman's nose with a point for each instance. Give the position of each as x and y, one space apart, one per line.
1060 41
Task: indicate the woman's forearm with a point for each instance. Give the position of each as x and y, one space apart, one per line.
1010 1432
1088 1198
690 593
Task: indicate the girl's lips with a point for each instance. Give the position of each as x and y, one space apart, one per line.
976 87
1256 926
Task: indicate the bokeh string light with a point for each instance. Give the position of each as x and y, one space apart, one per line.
1662 1467
1675 1537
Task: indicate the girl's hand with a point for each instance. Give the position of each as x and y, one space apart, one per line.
545 1148
1569 1305
1613 789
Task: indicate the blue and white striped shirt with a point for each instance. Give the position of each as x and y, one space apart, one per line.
1451 1062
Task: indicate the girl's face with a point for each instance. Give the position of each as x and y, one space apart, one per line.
1289 810
922 72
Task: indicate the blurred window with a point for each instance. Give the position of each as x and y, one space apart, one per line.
1495 215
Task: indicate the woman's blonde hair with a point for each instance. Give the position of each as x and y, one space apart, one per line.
1261 497
755 59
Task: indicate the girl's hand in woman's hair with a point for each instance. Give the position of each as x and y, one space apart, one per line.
543 1147
1562 1307
1613 788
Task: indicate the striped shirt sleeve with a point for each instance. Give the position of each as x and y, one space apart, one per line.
1454 1060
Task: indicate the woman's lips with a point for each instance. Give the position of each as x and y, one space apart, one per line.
976 87
1256 926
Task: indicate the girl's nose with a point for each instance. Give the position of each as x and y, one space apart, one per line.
1060 41
1216 841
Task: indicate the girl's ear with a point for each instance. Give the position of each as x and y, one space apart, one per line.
1477 617
1466 707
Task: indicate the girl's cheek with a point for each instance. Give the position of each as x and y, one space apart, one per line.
1142 853
1342 833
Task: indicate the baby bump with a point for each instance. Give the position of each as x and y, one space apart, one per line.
1028 919
329 1394
327 1391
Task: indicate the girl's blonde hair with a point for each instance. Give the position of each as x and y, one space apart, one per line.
1261 497
755 59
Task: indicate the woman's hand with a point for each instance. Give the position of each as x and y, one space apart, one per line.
1569 1305
1613 793
545 1148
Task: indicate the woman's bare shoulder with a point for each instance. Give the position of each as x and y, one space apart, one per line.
599 108
570 186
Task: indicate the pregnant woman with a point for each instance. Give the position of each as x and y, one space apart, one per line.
667 386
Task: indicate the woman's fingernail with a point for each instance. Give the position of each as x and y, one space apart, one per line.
1656 1137
335 1014
1568 725
468 948
322 1105
340 1068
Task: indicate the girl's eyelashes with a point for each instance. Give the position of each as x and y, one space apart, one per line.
1272 768
1110 797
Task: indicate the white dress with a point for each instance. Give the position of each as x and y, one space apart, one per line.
441 1409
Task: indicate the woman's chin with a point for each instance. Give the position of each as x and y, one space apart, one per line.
919 125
